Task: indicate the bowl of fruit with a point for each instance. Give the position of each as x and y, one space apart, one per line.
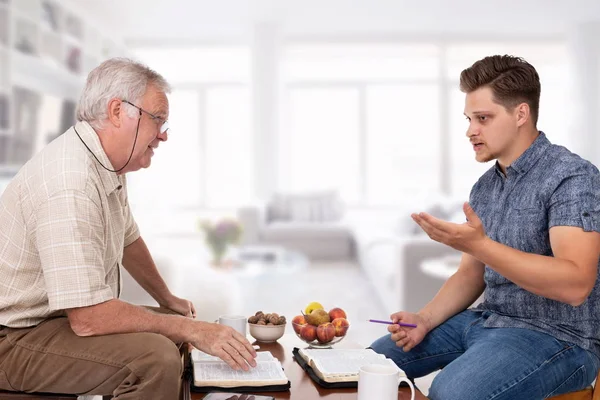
266 328
320 328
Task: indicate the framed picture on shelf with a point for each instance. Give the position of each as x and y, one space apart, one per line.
4 112
4 26
26 112
51 14
73 59
5 146
68 117
25 37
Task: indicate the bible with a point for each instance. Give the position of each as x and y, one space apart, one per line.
211 372
342 365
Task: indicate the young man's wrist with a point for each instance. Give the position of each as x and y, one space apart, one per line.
427 319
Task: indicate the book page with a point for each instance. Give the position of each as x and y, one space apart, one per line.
343 362
200 356
221 374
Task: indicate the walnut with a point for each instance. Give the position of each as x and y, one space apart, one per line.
253 319
281 320
270 323
274 320
268 316
261 322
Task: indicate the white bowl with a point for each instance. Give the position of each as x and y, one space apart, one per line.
266 333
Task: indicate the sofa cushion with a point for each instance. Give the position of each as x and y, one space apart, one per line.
303 230
314 206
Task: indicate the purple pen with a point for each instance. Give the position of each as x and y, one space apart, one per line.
377 321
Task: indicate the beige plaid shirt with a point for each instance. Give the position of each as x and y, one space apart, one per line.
64 223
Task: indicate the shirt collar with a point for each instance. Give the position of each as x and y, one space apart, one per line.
530 156
110 180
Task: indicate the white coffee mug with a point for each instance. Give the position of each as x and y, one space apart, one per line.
381 382
237 322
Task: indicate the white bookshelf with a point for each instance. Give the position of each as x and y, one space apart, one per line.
5 79
47 48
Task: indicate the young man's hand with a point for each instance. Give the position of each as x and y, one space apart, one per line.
462 237
407 337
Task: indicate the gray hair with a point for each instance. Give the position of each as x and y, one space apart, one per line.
119 78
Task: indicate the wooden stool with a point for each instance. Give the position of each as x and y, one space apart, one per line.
585 394
4 395
34 396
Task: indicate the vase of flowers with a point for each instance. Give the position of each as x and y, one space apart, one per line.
219 236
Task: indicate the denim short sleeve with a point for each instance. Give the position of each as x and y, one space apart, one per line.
576 202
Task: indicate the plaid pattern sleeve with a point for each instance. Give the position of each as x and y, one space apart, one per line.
71 250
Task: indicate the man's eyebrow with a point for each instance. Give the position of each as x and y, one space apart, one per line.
159 113
478 113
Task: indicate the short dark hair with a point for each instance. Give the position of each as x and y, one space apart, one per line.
512 80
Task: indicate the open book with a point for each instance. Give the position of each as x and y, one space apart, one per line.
212 371
342 365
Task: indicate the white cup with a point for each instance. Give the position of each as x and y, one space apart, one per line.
237 322
381 382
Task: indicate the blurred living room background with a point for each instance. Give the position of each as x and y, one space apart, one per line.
318 126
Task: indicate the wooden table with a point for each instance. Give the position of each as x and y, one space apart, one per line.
304 388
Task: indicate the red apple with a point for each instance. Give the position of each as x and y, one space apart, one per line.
297 322
325 332
341 326
308 332
337 313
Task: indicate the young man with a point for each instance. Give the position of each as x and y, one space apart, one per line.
66 231
530 244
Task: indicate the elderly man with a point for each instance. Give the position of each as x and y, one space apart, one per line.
66 231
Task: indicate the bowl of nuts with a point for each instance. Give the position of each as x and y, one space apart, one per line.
266 328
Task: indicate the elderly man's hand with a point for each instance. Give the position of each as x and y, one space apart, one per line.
226 343
181 306
463 237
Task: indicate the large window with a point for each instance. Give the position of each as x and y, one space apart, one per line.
403 142
384 122
363 119
380 122
324 141
229 147
207 160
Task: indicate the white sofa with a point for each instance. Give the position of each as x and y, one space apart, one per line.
318 239
388 245
390 249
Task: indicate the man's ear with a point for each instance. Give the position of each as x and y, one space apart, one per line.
115 110
523 114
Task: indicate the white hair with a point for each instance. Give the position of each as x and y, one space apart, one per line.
116 78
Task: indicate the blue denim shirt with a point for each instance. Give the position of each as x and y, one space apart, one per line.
546 186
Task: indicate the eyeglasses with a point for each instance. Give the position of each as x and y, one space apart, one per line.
161 122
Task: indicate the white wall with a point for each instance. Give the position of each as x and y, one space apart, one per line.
202 19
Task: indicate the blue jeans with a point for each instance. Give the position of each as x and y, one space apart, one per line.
493 363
